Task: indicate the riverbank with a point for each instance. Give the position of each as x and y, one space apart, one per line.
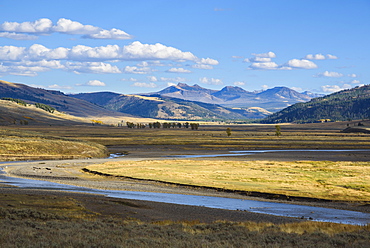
70 172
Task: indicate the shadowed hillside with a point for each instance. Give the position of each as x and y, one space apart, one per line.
352 104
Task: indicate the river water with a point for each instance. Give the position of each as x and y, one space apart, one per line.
279 209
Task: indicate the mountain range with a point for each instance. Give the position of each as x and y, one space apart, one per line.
21 104
185 102
232 96
180 102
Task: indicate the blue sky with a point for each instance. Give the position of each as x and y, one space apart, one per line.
145 45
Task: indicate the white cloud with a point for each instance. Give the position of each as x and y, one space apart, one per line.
95 83
332 88
129 79
202 66
67 26
297 89
11 53
152 78
264 66
59 87
175 79
211 81
239 83
137 70
113 34
208 61
355 82
16 36
42 25
85 59
352 75
137 50
329 74
320 56
257 59
134 51
144 85
63 26
329 56
265 55
301 64
91 67
178 70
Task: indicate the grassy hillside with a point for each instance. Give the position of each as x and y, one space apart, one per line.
55 99
352 104
26 145
12 113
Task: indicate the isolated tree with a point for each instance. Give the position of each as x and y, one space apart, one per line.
228 131
277 130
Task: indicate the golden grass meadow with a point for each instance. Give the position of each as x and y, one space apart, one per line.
344 181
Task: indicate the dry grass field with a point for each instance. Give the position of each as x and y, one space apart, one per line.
26 145
28 220
45 219
343 181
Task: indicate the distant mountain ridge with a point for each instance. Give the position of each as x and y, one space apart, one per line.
351 104
232 96
170 108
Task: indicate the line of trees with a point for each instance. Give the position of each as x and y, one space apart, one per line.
38 105
193 126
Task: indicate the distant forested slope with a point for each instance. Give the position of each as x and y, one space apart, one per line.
351 104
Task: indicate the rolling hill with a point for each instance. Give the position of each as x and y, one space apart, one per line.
352 104
69 110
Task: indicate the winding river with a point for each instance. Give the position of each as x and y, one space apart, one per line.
272 208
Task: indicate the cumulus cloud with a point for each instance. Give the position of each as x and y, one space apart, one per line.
329 56
94 83
211 81
329 74
301 64
63 26
137 50
178 70
133 51
239 83
264 66
208 61
265 55
201 66
59 87
144 85
352 75
42 25
129 79
320 56
137 70
334 88
166 79
91 67
16 36
86 59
